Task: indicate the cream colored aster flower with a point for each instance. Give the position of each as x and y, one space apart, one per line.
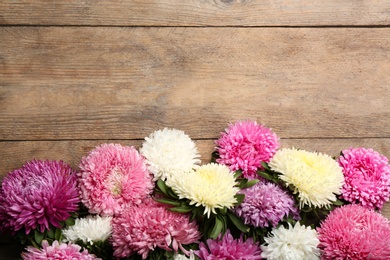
316 177
211 186
293 243
89 229
169 152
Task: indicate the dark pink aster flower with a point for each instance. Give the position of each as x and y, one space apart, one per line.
112 178
354 232
40 194
265 205
245 145
227 247
142 229
367 177
57 251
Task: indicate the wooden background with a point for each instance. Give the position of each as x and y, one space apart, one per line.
75 74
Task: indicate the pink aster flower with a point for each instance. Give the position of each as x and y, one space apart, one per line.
245 145
39 195
112 178
367 177
354 232
142 229
57 251
227 247
266 204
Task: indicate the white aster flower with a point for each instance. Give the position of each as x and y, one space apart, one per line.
177 256
211 186
293 243
89 229
316 177
169 152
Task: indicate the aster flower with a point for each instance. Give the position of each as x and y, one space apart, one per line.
315 177
211 186
367 177
89 229
113 177
292 243
144 228
354 232
177 256
40 195
245 145
169 152
266 204
57 251
227 247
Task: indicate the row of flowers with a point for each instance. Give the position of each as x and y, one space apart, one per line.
254 200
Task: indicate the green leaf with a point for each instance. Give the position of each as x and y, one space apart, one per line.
58 234
181 209
266 166
338 203
35 244
240 198
265 175
238 222
217 229
162 186
38 236
50 233
172 193
70 222
250 183
237 174
169 202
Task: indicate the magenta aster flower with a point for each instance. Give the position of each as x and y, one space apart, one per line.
265 205
367 177
112 178
57 251
40 194
142 229
354 232
245 145
228 248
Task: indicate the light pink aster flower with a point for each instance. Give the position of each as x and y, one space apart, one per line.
39 195
245 145
142 229
354 232
265 205
227 247
57 251
367 177
112 178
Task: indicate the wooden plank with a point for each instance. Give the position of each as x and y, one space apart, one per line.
14 154
196 13
120 83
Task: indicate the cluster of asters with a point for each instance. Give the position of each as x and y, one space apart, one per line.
255 200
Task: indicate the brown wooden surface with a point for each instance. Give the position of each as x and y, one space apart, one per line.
196 12
105 83
75 74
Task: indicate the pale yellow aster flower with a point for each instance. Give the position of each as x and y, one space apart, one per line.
211 186
316 177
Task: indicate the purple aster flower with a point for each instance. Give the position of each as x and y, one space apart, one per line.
245 145
227 247
40 194
266 204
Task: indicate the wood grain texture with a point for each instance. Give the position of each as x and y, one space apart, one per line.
122 83
196 13
15 154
